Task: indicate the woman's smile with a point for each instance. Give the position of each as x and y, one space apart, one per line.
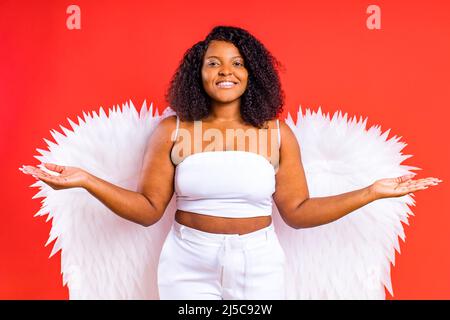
226 84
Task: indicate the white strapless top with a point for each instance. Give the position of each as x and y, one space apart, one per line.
231 183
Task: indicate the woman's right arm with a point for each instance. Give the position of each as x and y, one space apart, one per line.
147 205
144 206
130 205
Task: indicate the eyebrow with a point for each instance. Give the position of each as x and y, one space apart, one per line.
219 57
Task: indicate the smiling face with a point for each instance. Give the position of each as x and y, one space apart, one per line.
224 74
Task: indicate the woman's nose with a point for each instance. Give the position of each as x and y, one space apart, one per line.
224 72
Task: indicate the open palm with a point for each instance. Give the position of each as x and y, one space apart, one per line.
68 177
397 187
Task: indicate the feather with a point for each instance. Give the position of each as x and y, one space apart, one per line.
102 255
349 258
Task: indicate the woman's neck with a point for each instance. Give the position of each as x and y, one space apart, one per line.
225 112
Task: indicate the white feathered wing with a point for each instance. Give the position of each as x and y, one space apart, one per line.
104 256
350 257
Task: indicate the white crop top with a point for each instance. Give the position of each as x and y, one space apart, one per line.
231 183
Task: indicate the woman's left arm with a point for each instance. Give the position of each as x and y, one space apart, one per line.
298 210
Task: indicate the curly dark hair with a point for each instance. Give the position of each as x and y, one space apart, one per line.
263 98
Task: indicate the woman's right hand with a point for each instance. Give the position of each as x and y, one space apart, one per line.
69 177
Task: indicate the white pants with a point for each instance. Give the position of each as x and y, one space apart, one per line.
199 265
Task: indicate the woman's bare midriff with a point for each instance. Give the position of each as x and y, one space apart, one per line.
223 225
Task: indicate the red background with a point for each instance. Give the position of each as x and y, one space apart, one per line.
398 77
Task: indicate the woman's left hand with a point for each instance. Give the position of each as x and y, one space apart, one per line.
397 187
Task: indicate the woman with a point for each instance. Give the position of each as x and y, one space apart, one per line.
222 244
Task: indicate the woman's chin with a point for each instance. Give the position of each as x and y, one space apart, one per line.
224 98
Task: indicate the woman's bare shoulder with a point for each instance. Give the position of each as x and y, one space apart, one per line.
166 127
288 137
168 121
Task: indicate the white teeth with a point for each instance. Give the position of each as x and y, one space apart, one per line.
225 84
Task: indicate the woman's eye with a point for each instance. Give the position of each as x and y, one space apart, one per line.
214 63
